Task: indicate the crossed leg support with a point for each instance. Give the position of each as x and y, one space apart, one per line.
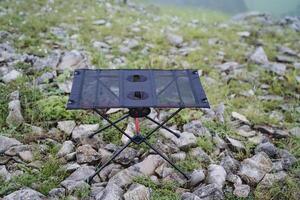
138 139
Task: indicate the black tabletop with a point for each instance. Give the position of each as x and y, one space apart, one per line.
125 88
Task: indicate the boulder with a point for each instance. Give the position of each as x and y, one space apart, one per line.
127 156
25 193
259 56
111 192
216 175
26 156
209 192
253 169
6 143
67 147
4 174
137 192
149 164
83 131
268 148
196 177
185 141
14 117
86 154
11 76
66 126
270 179
241 191
71 60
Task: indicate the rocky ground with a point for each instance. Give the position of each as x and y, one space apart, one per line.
247 146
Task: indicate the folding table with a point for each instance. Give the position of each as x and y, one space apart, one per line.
137 90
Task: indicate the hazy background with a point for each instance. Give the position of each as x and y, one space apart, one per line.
275 7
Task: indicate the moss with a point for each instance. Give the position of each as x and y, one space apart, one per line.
206 144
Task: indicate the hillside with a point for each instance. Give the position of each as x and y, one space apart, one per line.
247 146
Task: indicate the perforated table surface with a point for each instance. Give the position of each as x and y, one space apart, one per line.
125 88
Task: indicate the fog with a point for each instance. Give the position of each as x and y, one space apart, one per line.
275 7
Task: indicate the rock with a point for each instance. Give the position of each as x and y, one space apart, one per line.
101 46
219 142
45 78
71 60
270 98
15 150
268 148
200 155
67 147
178 156
6 143
81 173
84 131
235 179
14 117
228 66
57 193
230 164
287 51
246 132
209 192
196 177
277 68
240 117
4 174
295 132
66 86
287 159
259 56
111 192
86 154
235 145
71 167
241 191
149 164
217 175
189 196
100 22
279 134
124 177
11 76
270 179
26 156
25 193
131 43
196 128
264 129
130 130
277 166
137 192
175 40
185 141
285 59
127 156
244 34
253 169
72 186
50 61
66 126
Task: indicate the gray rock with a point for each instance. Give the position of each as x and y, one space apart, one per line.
178 156
196 177
285 59
137 192
230 164
130 130
277 166
72 186
11 76
111 192
65 86
57 193
279 134
149 164
131 43
235 145
270 98
259 56
123 178
268 148
71 167
175 40
200 155
241 191
235 179
6 143
67 147
45 78
51 60
219 142
127 156
83 131
15 150
26 156
287 159
228 66
71 60
189 196
100 22
217 175
185 141
253 169
287 51
196 128
4 174
101 46
14 117
240 117
66 126
270 179
295 131
277 68
86 154
81 173
209 192
26 194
